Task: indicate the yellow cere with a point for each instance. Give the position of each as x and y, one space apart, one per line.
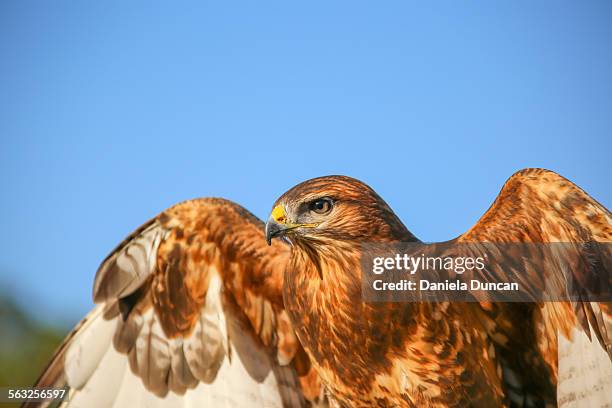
278 214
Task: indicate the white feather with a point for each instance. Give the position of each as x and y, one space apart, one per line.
585 373
88 347
100 376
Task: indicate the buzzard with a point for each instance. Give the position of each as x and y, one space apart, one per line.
196 309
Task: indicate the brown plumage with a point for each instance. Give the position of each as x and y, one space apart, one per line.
195 308
191 298
433 354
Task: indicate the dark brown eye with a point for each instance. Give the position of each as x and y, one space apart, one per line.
321 206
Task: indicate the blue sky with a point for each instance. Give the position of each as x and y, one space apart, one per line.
111 112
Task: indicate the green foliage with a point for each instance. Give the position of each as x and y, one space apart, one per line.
26 345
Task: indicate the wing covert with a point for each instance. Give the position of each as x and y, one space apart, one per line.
540 206
189 309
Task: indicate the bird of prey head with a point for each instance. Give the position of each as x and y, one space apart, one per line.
331 209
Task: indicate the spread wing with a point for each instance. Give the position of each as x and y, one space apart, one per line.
539 206
189 313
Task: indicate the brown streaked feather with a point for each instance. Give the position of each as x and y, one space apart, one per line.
191 290
436 355
378 354
537 205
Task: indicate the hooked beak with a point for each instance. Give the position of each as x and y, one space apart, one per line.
277 223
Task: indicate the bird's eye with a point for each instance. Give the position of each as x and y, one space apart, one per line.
321 206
